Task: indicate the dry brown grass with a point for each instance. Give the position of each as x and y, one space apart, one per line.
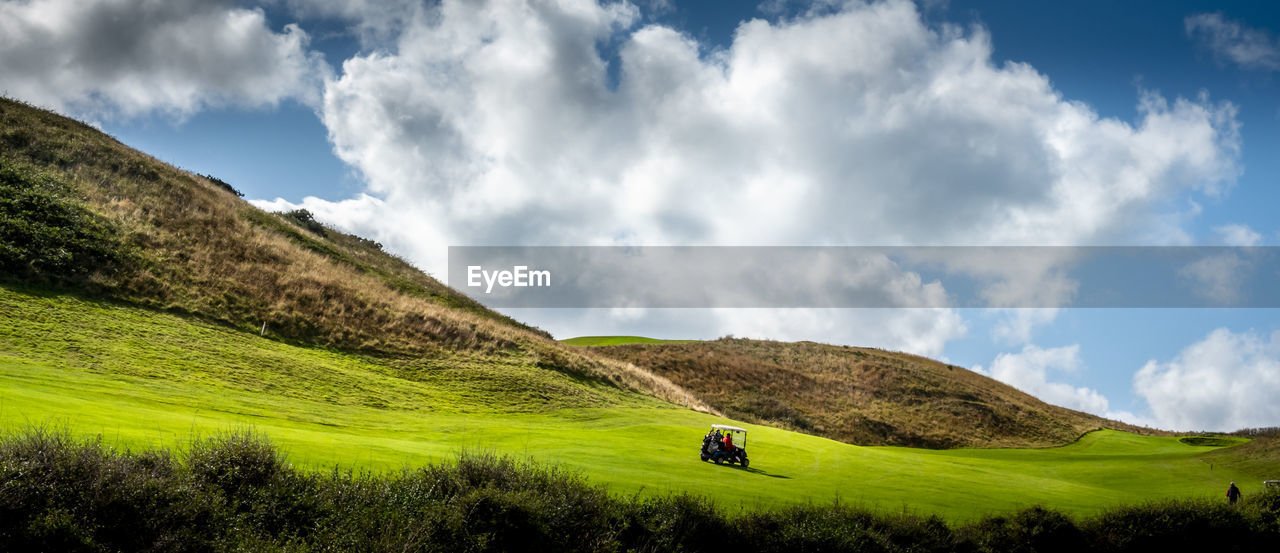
860 395
204 251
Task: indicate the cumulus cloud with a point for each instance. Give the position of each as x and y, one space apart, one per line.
373 21
1029 370
1246 47
1016 326
494 123
1237 235
1224 382
1219 277
920 331
96 57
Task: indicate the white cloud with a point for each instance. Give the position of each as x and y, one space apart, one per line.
1029 371
1132 418
1218 277
1237 235
1224 382
131 57
919 331
493 122
1221 276
1229 40
1016 326
496 123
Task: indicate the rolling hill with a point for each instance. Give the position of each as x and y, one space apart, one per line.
85 214
146 305
137 378
862 396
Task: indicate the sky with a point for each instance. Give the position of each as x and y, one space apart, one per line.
425 125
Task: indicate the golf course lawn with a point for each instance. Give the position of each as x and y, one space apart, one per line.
141 379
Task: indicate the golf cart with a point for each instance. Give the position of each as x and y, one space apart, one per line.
715 449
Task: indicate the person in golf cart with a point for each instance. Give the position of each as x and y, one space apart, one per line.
718 446
712 443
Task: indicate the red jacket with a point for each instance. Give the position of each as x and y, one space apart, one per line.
728 443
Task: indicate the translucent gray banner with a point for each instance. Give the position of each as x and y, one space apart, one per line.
998 277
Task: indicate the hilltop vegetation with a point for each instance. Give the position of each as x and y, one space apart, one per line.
859 395
237 493
87 215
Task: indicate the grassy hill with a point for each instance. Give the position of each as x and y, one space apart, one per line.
139 379
859 395
82 212
132 301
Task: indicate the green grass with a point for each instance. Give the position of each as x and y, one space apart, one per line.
234 492
588 341
145 379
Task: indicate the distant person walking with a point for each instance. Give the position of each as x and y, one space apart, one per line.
1233 494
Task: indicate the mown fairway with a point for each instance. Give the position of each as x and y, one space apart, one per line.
138 377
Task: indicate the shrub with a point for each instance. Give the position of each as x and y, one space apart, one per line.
839 527
234 462
306 220
223 185
64 495
47 235
674 523
1173 526
1031 530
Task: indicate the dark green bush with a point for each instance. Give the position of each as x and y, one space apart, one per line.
1032 530
47 234
224 185
64 495
840 528
1177 526
674 523
236 493
306 220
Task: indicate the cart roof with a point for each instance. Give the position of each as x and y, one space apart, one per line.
727 427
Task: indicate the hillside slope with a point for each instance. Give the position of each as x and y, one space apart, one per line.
87 215
82 213
138 379
860 395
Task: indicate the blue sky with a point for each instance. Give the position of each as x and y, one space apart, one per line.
374 121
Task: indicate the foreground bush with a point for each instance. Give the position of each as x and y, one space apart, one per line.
237 493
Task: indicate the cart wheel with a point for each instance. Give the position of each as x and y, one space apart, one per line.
719 460
704 458
745 463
